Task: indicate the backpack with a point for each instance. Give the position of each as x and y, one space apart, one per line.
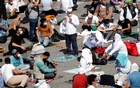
55 37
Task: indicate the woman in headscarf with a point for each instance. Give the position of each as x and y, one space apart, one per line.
123 67
86 60
114 49
133 80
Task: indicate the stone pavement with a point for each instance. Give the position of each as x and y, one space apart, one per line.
55 52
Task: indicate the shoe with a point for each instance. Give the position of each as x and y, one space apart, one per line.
84 15
7 53
105 41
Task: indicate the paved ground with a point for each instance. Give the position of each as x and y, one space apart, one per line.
55 52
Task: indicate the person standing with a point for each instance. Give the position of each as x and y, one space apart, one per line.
72 22
33 19
3 9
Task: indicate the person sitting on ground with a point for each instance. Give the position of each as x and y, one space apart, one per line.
90 21
117 5
95 39
115 49
103 11
130 12
17 61
80 80
22 5
126 27
123 67
93 4
15 42
12 76
92 81
46 32
3 29
133 80
12 8
107 30
15 23
42 71
86 60
62 30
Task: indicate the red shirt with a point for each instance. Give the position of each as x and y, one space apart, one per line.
79 81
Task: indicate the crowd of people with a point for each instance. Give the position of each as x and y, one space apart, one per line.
98 29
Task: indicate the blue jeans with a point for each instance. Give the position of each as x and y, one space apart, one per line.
33 25
91 45
44 41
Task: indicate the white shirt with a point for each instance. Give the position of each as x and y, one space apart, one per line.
98 35
105 26
118 45
46 4
94 20
90 86
7 72
66 4
71 25
20 2
62 28
129 15
11 7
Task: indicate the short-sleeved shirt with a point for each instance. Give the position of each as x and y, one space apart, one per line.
134 79
94 20
16 39
45 32
33 12
106 26
46 4
124 24
7 72
10 7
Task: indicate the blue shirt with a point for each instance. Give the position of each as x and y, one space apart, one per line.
5 24
18 63
134 79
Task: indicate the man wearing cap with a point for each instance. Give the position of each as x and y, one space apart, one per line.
125 24
130 12
72 22
95 39
107 30
17 60
90 21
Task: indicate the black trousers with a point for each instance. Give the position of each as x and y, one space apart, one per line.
50 12
71 39
3 12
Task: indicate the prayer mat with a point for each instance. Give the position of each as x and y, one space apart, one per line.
65 58
133 34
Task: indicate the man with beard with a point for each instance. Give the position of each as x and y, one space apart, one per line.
42 71
130 12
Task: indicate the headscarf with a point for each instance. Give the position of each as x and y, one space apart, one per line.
135 67
117 39
87 55
122 59
127 1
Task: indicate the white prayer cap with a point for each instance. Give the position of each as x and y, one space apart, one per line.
121 18
69 9
90 15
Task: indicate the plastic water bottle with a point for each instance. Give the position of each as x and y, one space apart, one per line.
99 78
32 77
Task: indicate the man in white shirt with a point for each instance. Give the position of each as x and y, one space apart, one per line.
72 22
95 39
90 21
13 77
107 29
48 7
12 8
